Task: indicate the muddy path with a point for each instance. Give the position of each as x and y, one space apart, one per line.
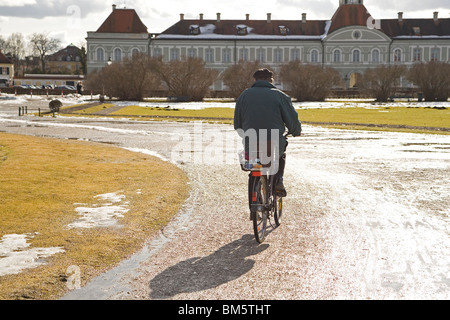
366 217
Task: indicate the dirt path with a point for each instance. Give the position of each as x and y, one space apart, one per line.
366 216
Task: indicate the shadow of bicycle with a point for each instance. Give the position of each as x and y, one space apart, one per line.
196 274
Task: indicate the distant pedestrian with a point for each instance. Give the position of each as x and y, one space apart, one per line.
79 88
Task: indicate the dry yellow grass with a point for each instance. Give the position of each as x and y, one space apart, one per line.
41 182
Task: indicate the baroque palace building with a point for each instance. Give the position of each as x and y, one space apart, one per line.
351 41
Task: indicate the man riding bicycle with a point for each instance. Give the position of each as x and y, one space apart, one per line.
267 112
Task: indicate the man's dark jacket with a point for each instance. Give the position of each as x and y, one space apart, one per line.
263 106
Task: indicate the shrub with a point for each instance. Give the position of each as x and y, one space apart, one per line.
131 79
239 77
187 78
380 82
432 78
309 82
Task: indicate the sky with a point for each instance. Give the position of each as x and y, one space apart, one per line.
70 20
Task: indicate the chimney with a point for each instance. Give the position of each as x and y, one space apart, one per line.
218 17
269 17
435 18
400 18
181 16
114 7
303 17
201 16
247 17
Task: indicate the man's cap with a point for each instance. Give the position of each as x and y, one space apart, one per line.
263 74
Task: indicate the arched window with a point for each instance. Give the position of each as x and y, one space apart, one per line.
376 56
314 56
337 55
397 55
117 54
356 55
100 54
134 52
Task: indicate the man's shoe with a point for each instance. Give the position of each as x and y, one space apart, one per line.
280 190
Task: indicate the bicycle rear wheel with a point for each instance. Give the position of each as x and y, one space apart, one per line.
258 207
278 212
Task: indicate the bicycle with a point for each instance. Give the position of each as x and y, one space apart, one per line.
264 202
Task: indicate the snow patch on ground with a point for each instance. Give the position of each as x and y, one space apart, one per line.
15 254
101 215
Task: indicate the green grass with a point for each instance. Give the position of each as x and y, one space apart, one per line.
164 112
420 117
95 109
41 182
413 119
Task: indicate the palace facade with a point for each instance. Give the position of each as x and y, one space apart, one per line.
351 41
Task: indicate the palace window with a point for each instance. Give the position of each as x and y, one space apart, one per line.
117 54
295 55
314 56
174 54
192 52
397 55
261 55
376 56
134 52
243 54
226 58
278 55
356 55
157 52
337 55
209 55
435 54
417 54
100 54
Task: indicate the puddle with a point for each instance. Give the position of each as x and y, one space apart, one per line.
101 215
15 254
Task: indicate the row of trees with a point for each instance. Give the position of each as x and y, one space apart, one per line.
139 77
431 78
19 48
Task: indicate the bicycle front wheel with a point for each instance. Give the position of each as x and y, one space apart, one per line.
258 208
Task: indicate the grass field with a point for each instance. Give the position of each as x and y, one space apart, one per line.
414 119
43 180
217 113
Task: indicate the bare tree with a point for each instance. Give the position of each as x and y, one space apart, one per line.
187 78
432 78
309 82
381 82
16 47
41 45
239 76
